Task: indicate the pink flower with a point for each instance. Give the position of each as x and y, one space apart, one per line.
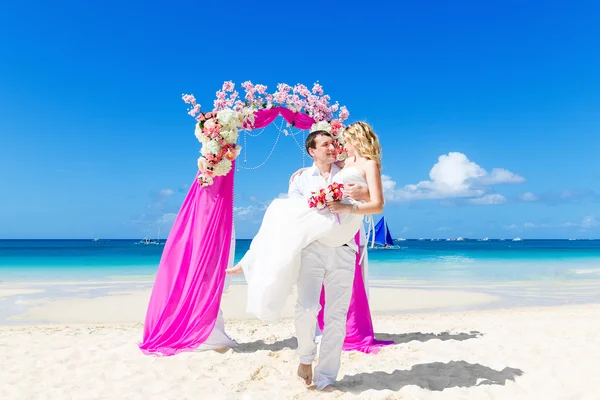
189 99
239 106
195 110
344 114
317 89
228 86
260 89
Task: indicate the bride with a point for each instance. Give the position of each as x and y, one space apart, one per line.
271 265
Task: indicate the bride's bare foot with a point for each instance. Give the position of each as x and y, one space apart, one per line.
237 270
222 350
305 373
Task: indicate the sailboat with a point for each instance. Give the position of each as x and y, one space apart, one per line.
383 237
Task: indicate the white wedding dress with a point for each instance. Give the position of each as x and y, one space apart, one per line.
272 263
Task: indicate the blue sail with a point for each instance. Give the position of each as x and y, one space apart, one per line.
382 234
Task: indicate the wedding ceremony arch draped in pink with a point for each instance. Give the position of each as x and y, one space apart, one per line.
187 292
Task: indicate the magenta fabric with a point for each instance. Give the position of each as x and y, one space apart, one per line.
189 283
359 326
263 118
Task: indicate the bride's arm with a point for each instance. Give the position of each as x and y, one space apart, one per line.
375 203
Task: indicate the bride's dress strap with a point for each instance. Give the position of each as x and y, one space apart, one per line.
371 231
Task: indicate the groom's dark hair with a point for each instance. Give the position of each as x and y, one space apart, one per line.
310 139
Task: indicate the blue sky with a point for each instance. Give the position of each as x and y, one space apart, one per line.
95 140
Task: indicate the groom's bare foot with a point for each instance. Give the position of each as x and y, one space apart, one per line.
329 388
237 270
305 373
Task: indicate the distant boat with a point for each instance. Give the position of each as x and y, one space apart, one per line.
517 239
460 239
95 239
401 239
485 239
383 237
146 240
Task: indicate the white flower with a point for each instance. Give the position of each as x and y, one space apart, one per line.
205 180
210 147
321 126
329 196
202 164
198 132
228 118
230 135
222 168
248 114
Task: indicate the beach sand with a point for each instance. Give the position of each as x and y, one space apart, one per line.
87 349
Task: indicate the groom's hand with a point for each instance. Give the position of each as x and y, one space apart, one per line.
356 192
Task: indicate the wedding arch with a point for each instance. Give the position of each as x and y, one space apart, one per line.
186 296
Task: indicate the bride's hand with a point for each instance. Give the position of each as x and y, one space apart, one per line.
338 208
297 173
356 192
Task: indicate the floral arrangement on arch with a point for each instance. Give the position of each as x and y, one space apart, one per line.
218 129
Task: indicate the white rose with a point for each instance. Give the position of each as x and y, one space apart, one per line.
210 147
229 135
222 168
228 118
209 124
321 126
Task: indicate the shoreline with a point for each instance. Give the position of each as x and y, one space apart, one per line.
125 301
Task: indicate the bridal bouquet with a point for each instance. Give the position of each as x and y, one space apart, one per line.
319 199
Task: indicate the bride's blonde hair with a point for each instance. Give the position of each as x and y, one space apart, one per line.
364 140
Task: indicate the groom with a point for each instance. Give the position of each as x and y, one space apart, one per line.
321 265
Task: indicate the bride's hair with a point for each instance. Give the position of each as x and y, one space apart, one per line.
364 140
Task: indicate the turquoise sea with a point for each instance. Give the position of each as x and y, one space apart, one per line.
412 260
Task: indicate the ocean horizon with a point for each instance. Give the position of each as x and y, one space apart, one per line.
494 260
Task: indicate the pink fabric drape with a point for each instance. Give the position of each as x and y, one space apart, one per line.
189 283
263 118
359 326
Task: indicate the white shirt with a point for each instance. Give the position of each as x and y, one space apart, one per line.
311 181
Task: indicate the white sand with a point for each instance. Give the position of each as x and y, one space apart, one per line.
546 353
91 352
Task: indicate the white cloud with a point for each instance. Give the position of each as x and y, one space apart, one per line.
528 196
454 176
589 222
389 187
493 198
165 192
500 175
167 218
